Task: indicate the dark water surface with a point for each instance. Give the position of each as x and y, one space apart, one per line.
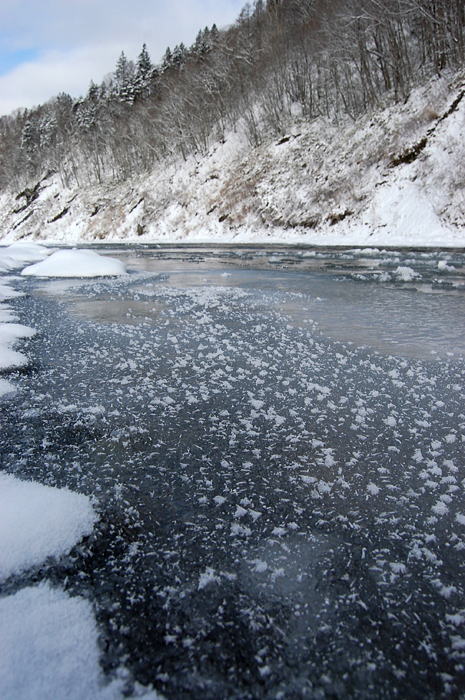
275 440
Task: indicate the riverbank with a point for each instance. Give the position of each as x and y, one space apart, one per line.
394 178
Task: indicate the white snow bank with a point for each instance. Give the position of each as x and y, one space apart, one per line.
9 334
23 251
7 293
38 521
76 263
48 648
17 254
7 314
404 210
11 359
11 257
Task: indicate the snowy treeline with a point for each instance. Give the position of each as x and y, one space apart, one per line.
281 56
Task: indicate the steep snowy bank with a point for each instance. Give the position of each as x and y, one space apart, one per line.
391 178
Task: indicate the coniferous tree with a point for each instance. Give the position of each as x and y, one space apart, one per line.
179 55
93 92
167 61
144 73
30 140
214 34
124 80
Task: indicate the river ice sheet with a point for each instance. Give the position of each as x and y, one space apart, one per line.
281 513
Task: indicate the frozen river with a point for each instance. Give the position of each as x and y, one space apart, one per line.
275 441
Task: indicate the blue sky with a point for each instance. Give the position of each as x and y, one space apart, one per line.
10 58
52 46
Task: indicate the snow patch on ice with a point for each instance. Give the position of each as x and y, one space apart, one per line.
48 648
443 266
19 253
9 334
76 263
207 577
11 257
39 521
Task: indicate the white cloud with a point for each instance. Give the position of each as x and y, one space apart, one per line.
80 40
34 82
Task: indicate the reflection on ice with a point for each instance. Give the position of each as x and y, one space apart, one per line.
110 311
368 297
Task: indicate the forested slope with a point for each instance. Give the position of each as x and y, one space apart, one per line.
305 120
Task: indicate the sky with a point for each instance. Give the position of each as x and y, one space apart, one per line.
53 46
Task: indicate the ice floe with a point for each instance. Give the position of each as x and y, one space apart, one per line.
48 640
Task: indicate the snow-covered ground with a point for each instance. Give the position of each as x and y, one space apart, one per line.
393 178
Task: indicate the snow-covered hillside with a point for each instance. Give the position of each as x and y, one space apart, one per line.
392 178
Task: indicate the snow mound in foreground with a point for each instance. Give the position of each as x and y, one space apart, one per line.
76 263
48 647
38 521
